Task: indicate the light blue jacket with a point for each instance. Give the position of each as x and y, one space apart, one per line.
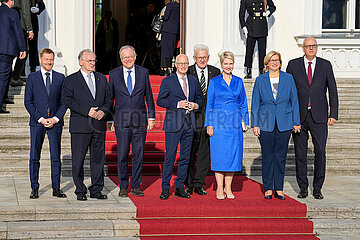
265 109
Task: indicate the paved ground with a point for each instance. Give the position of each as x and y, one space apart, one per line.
339 192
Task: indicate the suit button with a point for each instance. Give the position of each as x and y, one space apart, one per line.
254 17
260 18
254 9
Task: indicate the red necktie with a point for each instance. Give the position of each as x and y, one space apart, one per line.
309 77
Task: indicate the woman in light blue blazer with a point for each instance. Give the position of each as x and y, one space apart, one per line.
274 113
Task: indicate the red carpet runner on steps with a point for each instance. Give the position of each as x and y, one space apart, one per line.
249 216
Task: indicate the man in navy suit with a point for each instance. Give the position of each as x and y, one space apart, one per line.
11 44
44 102
87 94
129 86
313 77
180 95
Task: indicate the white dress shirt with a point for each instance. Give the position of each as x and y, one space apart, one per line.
132 74
313 64
206 74
43 74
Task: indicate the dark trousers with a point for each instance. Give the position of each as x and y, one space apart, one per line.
168 44
250 45
37 135
319 132
80 142
5 75
200 145
136 137
172 139
20 63
33 51
274 147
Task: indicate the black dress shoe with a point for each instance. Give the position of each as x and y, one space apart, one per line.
200 191
57 192
136 192
2 111
317 194
248 73
34 194
8 101
81 197
98 195
164 194
268 197
123 192
279 196
303 193
180 192
189 190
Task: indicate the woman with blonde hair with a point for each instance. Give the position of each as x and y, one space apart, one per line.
274 114
225 110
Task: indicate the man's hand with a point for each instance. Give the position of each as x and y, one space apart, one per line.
99 115
92 112
331 121
191 106
22 55
48 123
256 131
296 128
31 35
245 31
111 126
210 130
183 104
266 14
151 124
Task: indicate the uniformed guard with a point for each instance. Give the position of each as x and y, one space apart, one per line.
255 29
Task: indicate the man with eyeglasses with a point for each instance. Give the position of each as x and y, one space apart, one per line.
88 96
130 87
313 77
201 142
180 95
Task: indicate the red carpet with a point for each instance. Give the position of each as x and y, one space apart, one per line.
249 216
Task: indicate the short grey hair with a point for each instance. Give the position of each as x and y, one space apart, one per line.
126 47
81 53
198 47
177 57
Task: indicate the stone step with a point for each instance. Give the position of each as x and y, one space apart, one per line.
337 226
72 229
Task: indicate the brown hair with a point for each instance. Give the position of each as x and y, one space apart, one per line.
269 56
48 51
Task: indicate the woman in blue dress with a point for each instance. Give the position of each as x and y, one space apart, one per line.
225 111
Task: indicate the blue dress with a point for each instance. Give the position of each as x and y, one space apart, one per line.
226 108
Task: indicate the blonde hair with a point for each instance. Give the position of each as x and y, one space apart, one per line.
269 56
177 1
228 55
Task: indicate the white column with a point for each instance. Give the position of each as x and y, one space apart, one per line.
313 17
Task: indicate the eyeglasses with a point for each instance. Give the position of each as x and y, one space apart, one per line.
183 64
90 61
130 57
310 46
274 60
202 58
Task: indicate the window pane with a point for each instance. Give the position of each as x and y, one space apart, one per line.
334 14
357 12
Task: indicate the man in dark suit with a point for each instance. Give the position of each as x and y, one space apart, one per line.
11 44
180 95
44 102
37 7
87 94
201 142
255 29
130 86
313 77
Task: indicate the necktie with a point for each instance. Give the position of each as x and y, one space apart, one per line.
203 82
91 86
309 77
184 87
48 84
129 82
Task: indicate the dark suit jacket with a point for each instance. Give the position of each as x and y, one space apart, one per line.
256 25
38 102
200 113
169 96
78 98
171 18
323 79
131 110
12 37
23 9
34 16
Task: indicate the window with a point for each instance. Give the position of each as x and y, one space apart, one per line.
341 15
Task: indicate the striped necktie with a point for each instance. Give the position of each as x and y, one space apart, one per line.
203 83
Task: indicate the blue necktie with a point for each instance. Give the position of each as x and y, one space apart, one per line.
48 84
129 82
